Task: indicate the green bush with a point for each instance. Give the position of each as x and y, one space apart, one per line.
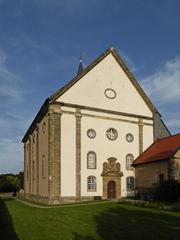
168 190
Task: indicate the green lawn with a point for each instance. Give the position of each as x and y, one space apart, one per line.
99 221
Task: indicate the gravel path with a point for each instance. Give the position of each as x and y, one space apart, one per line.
59 206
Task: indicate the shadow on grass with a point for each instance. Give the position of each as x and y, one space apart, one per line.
7 231
122 223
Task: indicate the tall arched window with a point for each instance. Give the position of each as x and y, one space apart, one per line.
91 184
129 161
130 184
27 174
91 160
43 166
33 170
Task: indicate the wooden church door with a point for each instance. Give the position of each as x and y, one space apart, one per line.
111 189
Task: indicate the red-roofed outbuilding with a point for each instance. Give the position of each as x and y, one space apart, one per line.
159 161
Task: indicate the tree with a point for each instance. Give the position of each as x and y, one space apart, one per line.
9 183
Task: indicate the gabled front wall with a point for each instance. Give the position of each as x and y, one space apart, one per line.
89 90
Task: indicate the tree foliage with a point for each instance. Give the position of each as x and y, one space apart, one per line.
11 182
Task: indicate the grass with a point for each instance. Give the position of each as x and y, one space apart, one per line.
107 221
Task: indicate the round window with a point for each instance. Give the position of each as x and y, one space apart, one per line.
91 133
110 93
112 134
129 137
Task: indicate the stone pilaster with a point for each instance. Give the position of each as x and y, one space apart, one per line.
37 159
54 161
78 153
140 124
30 163
25 168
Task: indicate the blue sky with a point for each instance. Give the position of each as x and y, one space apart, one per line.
40 45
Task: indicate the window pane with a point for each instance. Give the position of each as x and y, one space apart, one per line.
43 166
91 160
130 183
129 161
91 184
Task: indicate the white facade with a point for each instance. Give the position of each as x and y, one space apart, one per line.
90 91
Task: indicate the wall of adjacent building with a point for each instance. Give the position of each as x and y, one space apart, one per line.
177 165
160 129
148 174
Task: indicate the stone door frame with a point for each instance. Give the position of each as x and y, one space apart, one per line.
111 172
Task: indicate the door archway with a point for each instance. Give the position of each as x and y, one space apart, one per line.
111 178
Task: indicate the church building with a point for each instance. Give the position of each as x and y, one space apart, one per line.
83 140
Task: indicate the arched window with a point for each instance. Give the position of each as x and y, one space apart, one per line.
33 171
130 183
91 184
33 138
44 127
129 161
91 160
44 166
27 174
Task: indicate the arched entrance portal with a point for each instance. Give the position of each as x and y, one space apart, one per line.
111 179
111 189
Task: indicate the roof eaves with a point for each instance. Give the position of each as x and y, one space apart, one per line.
40 114
150 161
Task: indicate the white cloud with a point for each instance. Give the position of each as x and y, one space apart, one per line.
164 85
10 85
163 88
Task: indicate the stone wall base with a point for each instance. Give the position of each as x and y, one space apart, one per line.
36 198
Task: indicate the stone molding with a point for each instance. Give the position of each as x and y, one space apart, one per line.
140 124
105 118
82 107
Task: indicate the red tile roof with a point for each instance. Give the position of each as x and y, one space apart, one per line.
162 149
